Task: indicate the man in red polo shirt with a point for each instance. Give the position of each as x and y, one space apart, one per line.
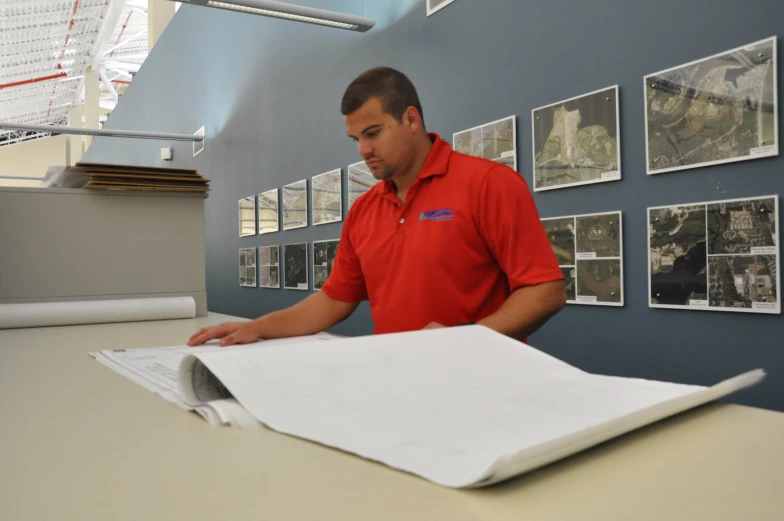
445 239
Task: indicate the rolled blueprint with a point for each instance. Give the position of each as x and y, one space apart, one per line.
95 311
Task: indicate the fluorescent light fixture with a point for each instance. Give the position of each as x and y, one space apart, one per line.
55 129
292 12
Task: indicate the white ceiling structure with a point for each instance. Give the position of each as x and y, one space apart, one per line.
46 46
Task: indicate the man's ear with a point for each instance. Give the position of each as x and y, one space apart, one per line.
412 119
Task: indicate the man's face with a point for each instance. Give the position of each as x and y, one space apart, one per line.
382 141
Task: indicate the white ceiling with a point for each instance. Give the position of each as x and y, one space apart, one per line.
46 46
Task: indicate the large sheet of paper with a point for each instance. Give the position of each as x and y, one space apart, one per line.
460 406
156 368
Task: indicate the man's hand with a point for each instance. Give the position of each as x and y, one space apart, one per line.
316 313
434 325
229 333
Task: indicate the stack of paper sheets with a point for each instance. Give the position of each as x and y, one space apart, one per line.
156 369
462 407
102 176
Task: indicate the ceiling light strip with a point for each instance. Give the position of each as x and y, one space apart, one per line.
293 12
277 14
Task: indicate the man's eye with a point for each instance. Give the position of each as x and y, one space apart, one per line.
372 134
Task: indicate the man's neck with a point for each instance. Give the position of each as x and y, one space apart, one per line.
404 182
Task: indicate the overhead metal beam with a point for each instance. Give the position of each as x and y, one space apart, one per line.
24 177
123 65
44 53
100 132
34 116
32 105
46 38
108 85
125 57
130 38
22 24
33 80
37 68
107 28
9 98
120 72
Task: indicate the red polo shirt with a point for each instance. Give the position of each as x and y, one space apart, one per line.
467 235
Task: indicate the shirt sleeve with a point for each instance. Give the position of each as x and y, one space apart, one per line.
510 225
346 282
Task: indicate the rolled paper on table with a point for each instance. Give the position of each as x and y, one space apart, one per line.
42 314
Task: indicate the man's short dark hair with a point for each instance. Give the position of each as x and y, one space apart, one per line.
391 87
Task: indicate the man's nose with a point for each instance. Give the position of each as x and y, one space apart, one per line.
365 149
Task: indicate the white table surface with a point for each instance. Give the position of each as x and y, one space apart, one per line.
81 442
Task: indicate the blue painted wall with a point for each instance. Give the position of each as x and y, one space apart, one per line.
268 93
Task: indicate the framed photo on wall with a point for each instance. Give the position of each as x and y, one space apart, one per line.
269 267
577 141
360 180
589 249
324 253
269 216
295 205
496 141
295 257
247 216
715 256
715 110
248 267
326 195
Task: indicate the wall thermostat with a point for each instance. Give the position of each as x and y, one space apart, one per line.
166 153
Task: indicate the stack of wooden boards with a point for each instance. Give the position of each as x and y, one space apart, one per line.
127 177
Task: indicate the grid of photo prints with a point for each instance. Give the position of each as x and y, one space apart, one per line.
589 249
248 267
496 141
295 257
718 256
324 253
269 267
360 180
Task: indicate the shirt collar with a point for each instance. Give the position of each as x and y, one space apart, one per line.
438 159
436 163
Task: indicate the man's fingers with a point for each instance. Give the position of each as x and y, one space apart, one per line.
229 332
242 334
197 338
208 333
197 334
205 336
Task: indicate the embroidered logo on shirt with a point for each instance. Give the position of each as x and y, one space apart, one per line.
444 214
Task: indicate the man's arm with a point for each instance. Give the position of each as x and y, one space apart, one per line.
527 309
510 225
313 315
